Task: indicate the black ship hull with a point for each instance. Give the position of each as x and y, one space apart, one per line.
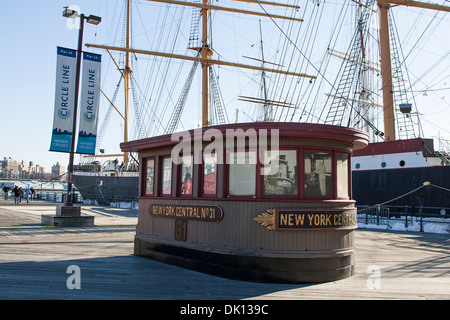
107 189
379 186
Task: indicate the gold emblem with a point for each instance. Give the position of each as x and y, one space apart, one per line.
267 219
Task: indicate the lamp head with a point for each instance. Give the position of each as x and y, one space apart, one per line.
93 19
70 13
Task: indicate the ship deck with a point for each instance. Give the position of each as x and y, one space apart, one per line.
34 262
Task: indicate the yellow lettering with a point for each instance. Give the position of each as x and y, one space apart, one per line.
283 219
204 212
322 219
328 219
311 218
316 220
299 219
337 221
290 219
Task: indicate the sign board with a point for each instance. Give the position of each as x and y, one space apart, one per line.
89 102
297 219
188 212
64 100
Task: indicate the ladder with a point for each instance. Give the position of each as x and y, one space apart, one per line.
341 107
176 114
217 112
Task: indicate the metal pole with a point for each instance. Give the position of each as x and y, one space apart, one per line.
69 201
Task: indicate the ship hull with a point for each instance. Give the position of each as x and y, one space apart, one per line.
399 173
379 186
107 189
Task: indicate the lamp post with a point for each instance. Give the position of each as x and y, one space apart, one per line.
72 14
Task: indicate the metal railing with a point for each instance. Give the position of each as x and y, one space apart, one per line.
387 215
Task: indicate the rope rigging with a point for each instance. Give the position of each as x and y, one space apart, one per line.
158 111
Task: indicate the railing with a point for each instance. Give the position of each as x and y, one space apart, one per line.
56 195
409 216
117 201
59 196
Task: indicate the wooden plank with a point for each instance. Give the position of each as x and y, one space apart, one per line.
34 261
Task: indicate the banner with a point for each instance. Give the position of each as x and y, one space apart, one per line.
89 101
64 100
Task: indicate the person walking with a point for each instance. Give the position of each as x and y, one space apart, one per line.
6 191
16 193
32 193
27 194
20 194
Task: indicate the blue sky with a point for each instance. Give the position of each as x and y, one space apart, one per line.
30 33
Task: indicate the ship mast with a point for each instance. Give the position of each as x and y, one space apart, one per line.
205 51
126 73
386 71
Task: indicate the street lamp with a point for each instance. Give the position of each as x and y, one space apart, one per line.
72 14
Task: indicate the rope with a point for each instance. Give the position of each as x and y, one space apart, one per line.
425 184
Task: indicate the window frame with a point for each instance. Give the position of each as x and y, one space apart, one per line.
297 195
153 193
332 196
349 176
179 178
257 193
202 177
161 176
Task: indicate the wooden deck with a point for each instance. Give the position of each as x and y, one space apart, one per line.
34 262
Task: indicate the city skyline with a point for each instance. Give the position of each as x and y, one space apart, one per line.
29 162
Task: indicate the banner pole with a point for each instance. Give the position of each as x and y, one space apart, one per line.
69 201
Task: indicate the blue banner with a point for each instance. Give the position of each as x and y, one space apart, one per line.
64 100
89 102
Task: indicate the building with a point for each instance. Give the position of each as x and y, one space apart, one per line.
58 171
14 169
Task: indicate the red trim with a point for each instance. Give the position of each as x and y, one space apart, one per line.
354 138
398 146
238 199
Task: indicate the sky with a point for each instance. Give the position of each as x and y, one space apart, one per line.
31 31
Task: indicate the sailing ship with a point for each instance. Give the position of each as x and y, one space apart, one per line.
221 215
398 160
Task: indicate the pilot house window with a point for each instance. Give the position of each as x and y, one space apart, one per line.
280 176
186 175
342 175
166 185
209 178
318 182
242 173
149 177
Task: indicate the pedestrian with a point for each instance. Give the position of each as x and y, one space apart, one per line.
6 191
32 193
16 193
20 194
27 194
